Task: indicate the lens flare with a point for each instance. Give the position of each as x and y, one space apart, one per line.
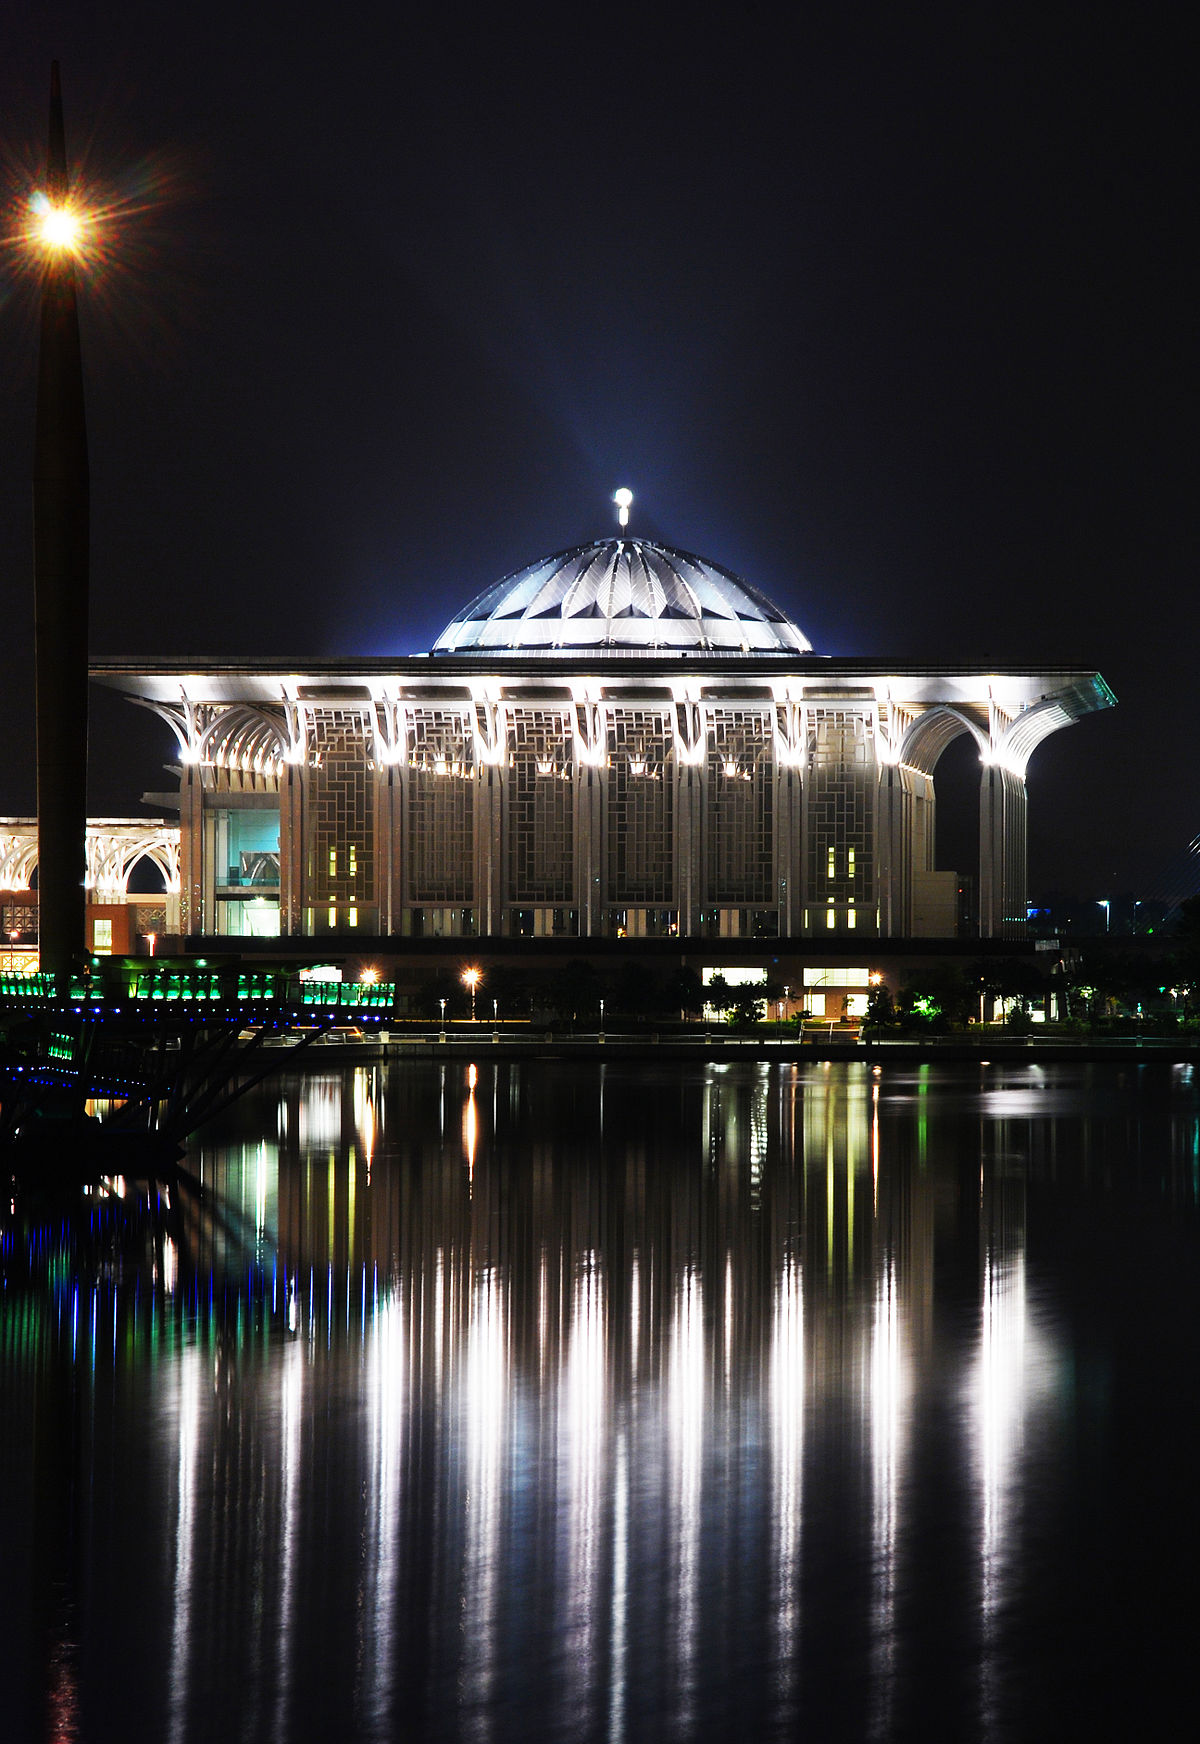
56 227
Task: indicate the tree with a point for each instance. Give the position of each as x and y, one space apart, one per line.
685 991
719 994
509 988
443 985
638 993
937 998
573 993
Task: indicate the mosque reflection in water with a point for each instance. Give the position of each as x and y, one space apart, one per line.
594 1400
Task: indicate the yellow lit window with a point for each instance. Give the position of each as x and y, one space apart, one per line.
850 918
831 863
830 918
353 860
333 917
352 916
849 861
333 862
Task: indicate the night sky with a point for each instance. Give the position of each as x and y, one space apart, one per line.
894 318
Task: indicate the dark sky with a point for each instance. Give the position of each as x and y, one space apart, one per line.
896 318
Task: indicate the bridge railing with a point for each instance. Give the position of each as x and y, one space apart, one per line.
163 985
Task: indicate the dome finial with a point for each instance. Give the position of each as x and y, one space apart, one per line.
623 499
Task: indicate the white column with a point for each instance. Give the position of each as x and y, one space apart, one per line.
491 879
291 850
192 917
789 875
1002 854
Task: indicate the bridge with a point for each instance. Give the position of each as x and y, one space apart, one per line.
166 1045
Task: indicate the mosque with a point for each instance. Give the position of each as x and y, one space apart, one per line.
622 740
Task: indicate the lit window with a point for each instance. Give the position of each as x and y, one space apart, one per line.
831 865
830 918
849 861
352 916
333 862
850 918
353 860
333 917
102 936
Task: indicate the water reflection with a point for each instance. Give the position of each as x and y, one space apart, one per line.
585 1403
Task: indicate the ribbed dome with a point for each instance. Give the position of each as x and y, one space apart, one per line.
625 595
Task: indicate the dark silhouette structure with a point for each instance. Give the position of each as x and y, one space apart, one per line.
60 545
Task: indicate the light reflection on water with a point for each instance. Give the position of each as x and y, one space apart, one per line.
595 1403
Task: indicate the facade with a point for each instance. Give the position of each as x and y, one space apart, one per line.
117 918
622 740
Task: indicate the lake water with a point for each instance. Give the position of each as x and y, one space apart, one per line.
587 1402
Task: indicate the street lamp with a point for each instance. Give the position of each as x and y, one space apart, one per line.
471 978
442 1003
1105 904
60 566
601 1017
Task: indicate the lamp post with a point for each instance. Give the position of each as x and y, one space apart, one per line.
1106 904
442 1003
60 565
806 1013
602 1017
471 979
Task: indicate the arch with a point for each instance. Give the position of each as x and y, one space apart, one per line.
18 857
114 850
163 855
179 716
934 729
244 737
113 847
1022 738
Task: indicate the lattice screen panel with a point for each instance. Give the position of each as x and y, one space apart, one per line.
641 806
540 806
840 796
341 799
440 813
740 860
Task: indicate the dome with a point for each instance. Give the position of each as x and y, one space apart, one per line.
622 595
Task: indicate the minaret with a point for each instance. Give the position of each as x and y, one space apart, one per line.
60 564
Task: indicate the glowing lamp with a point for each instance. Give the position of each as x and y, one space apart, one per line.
57 228
624 501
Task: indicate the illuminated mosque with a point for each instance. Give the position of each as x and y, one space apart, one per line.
621 740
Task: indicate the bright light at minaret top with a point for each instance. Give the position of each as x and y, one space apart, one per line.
624 500
56 226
